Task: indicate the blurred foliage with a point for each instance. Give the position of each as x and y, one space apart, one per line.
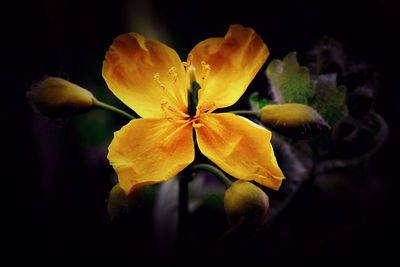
256 103
329 99
356 130
290 82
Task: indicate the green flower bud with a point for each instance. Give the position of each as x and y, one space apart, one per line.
245 202
56 97
294 120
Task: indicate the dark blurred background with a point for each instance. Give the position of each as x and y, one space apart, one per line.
56 177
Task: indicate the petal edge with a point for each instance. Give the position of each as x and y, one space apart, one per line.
148 151
234 61
239 147
130 67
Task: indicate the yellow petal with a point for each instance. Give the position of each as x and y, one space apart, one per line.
234 61
148 151
239 147
130 67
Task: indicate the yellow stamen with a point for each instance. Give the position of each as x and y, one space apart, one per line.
196 124
188 63
157 79
206 109
172 99
172 113
205 70
173 73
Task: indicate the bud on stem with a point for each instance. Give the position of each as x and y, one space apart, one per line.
56 97
244 201
120 202
292 119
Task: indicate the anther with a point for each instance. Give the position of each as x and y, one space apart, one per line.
157 79
173 73
206 109
189 61
196 124
190 58
205 69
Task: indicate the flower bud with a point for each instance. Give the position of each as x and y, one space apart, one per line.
56 97
245 201
294 120
119 201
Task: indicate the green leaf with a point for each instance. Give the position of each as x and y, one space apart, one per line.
290 82
329 99
256 103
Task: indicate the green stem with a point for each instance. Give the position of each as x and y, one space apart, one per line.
183 202
246 112
183 213
108 107
216 172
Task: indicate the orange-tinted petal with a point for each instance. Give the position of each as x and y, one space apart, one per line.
129 70
239 147
147 151
234 61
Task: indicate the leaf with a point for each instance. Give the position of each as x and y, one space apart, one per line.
256 103
329 99
289 81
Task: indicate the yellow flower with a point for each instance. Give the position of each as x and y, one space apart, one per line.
149 77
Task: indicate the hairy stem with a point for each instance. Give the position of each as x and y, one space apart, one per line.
211 169
108 107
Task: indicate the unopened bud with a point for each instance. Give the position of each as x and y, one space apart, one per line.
56 97
292 119
119 201
245 202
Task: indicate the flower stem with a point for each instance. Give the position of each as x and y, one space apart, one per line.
211 169
246 113
108 107
183 212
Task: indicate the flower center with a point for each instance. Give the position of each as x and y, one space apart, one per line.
170 103
195 85
193 92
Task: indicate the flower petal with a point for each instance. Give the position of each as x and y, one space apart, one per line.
130 67
148 151
239 147
234 61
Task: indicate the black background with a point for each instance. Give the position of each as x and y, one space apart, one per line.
63 218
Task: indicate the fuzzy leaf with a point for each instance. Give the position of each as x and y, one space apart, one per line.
290 82
329 99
